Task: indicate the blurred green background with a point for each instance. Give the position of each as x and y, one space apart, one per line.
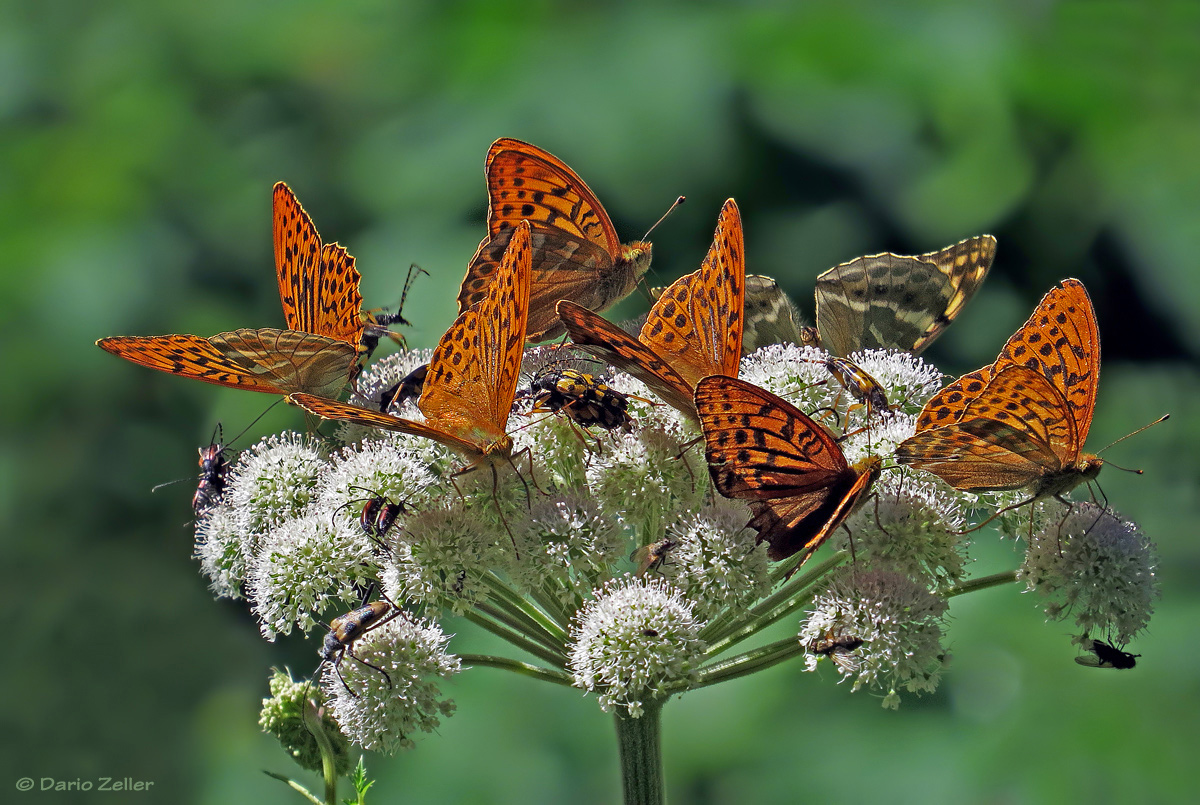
139 144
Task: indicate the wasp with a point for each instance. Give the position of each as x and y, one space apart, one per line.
409 388
837 648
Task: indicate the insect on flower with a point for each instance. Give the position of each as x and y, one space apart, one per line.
345 630
583 398
1106 655
378 514
654 556
409 388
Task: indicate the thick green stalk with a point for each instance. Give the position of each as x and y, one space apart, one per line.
493 621
639 741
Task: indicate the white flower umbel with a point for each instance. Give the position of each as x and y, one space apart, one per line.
797 374
911 524
382 712
1095 565
307 566
569 541
715 560
646 481
635 638
443 552
387 466
272 482
899 621
219 548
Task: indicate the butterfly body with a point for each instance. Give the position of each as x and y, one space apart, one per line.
576 252
1021 422
693 330
763 450
471 380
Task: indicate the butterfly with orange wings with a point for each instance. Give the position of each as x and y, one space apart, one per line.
472 379
693 330
1021 422
323 347
763 450
576 253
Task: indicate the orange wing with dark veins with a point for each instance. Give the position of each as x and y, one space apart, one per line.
693 330
473 375
472 378
318 284
576 253
764 450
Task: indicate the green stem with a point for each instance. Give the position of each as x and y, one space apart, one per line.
295 786
556 634
982 583
516 666
640 743
488 620
748 663
313 719
787 600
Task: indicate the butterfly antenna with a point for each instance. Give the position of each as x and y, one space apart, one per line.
254 421
670 210
1162 418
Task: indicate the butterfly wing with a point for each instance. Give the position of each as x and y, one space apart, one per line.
189 356
965 266
344 412
891 301
764 450
1061 341
576 253
612 344
290 360
771 317
697 322
1016 430
473 374
318 284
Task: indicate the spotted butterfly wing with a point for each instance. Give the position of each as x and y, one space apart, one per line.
1023 420
318 354
576 253
771 316
890 301
763 450
472 378
693 330
318 283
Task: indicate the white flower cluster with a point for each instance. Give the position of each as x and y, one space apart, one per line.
1091 563
541 552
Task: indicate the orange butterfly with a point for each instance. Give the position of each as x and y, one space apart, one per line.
576 253
472 378
693 330
764 450
319 352
1022 421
